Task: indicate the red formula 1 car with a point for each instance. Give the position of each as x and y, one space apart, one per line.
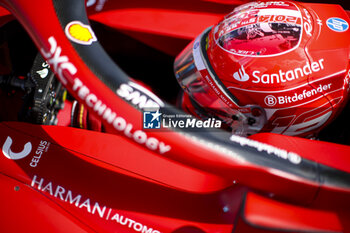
121 177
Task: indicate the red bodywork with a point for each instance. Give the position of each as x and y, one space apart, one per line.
128 180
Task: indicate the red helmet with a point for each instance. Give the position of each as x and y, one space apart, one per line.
276 66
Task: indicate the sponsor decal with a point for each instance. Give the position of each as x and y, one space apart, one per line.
337 24
271 100
118 122
307 23
245 52
261 5
241 75
271 3
6 150
217 148
139 96
87 204
59 62
45 71
157 120
271 150
216 88
289 75
80 33
42 148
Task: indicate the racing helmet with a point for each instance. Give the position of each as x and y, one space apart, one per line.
278 66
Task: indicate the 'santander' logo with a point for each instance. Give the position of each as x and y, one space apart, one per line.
241 75
6 150
289 75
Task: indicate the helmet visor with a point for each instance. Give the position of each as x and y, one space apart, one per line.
187 72
194 76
